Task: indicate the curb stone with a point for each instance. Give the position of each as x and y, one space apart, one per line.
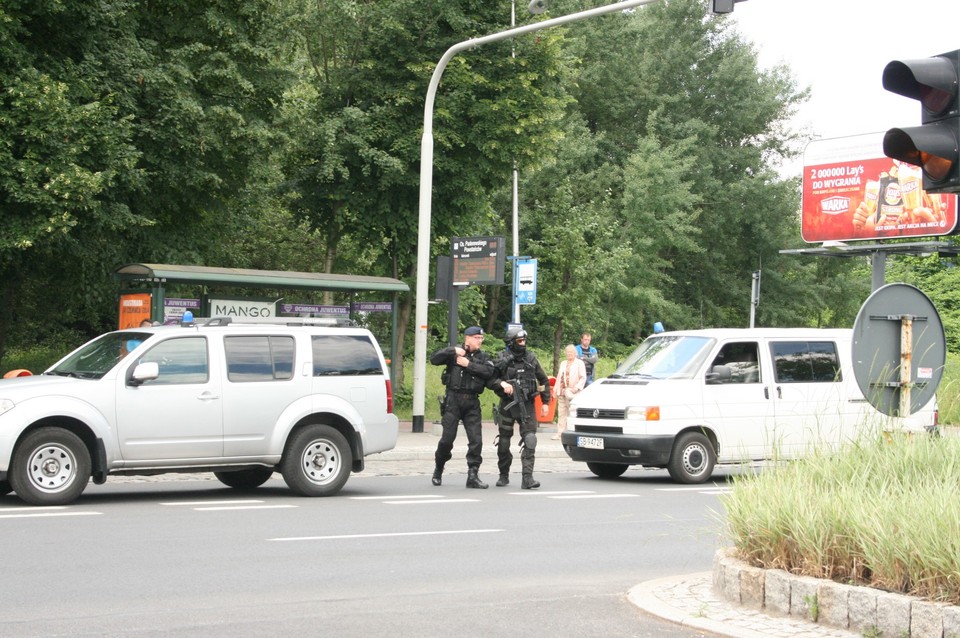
825 602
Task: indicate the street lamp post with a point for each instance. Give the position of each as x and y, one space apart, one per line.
426 184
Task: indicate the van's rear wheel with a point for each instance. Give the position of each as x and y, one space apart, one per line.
692 460
607 470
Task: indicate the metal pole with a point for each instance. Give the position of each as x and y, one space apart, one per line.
906 364
516 244
426 185
515 194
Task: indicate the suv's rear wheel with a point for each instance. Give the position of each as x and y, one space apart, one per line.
692 459
249 479
607 470
50 467
317 461
5 488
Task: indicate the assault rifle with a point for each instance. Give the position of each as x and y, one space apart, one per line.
520 398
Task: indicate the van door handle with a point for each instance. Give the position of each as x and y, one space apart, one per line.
779 392
208 396
766 393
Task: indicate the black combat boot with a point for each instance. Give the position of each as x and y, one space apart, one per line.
503 480
528 482
437 475
474 481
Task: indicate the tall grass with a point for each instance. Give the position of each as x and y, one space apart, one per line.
881 512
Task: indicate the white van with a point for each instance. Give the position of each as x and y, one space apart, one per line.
687 400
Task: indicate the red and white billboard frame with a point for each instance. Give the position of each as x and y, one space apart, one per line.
852 191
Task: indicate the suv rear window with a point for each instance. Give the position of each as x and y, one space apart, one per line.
806 361
259 358
340 355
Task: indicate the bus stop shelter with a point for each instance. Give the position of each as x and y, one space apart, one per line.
157 277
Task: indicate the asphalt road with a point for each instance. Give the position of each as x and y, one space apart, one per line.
390 555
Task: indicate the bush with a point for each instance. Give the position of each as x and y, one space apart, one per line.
878 513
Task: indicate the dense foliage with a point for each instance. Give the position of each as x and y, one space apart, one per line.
285 134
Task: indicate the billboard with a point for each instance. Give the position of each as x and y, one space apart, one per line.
852 191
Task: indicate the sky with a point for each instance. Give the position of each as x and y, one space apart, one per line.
839 48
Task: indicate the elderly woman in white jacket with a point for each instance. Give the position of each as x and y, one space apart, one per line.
571 379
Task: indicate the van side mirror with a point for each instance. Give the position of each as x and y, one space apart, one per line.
147 371
719 374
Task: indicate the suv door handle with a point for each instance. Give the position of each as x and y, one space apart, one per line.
208 396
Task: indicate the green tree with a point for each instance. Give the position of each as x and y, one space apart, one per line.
354 170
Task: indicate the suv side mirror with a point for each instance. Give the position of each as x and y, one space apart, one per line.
718 374
147 371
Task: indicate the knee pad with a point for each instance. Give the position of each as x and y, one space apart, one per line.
530 441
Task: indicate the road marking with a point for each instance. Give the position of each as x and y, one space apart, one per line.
224 508
548 493
378 498
49 514
571 496
443 502
193 503
386 535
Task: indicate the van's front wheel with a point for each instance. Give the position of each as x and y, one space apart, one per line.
692 460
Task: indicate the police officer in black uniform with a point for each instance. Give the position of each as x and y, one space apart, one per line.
468 371
518 378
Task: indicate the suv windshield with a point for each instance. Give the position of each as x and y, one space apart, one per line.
670 357
95 359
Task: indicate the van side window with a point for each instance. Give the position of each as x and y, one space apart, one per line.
344 355
181 360
259 358
737 363
806 362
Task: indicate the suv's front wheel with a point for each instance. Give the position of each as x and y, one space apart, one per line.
50 467
317 461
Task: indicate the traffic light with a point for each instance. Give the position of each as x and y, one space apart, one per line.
722 6
935 146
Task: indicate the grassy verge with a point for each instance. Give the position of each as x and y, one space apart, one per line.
880 513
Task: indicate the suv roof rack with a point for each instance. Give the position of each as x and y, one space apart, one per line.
282 321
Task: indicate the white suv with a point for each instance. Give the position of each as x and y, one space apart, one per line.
240 400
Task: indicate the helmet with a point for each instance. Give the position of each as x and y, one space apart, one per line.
514 333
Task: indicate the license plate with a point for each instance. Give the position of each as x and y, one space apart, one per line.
592 442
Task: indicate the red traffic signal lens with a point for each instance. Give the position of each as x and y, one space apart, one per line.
937 168
932 147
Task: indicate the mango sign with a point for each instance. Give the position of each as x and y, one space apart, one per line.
852 191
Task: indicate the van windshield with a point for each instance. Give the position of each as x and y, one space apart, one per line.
666 357
96 358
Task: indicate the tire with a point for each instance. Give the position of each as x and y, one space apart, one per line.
51 466
607 470
249 479
5 488
693 459
317 461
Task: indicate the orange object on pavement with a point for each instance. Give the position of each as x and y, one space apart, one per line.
551 406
